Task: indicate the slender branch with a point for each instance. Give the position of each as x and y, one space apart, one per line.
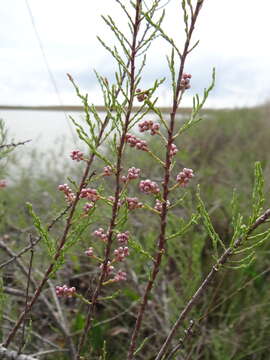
92 306
221 261
166 180
35 334
27 291
14 144
24 250
181 341
14 292
45 352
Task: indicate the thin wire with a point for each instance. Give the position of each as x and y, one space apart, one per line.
51 76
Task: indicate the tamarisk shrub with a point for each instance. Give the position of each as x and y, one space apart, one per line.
132 119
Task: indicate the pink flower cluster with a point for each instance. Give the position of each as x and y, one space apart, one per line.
120 276
185 82
134 142
76 155
132 174
65 291
149 125
133 203
89 194
173 150
107 171
109 268
142 95
184 176
122 238
149 187
100 233
69 195
87 207
3 184
121 253
159 204
89 252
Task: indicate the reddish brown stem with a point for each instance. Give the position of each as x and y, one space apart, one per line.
166 180
91 309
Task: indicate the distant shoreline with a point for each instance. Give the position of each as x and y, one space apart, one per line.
75 108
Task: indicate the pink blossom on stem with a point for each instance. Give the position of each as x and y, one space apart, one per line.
142 95
131 139
159 204
134 142
122 238
100 233
149 125
121 253
90 194
65 291
120 276
87 207
184 177
133 173
3 184
107 171
149 187
185 81
173 150
133 203
124 179
145 125
69 195
109 268
154 129
76 155
141 145
89 252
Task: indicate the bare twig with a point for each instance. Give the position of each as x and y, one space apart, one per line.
14 144
180 344
39 337
60 322
14 292
28 247
45 352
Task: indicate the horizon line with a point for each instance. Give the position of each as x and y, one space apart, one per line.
100 108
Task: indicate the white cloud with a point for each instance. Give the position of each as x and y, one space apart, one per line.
233 36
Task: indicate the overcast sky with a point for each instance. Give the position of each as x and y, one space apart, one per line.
234 37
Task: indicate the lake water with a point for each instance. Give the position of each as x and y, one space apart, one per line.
44 128
47 130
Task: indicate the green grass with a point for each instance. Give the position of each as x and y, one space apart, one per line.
232 318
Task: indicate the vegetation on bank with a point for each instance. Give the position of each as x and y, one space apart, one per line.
231 320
